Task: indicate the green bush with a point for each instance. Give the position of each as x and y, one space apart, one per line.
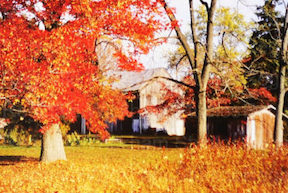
74 139
17 136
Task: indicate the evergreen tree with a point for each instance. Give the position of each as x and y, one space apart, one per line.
264 47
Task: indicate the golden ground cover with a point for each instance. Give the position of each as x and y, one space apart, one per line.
216 168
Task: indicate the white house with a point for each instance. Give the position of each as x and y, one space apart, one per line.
148 86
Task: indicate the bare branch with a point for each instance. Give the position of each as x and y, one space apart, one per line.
223 45
209 45
176 81
277 26
19 111
180 60
108 43
194 34
205 4
182 38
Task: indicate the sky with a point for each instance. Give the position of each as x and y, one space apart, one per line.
158 56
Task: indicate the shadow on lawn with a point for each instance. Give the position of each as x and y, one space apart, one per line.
12 160
157 141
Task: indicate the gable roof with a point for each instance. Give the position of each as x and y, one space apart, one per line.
132 81
236 111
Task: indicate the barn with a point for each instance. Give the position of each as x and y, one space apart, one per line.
148 86
253 124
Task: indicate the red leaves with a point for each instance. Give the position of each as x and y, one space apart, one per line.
130 96
56 70
263 94
128 63
216 93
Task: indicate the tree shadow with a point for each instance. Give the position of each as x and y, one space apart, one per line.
157 141
12 160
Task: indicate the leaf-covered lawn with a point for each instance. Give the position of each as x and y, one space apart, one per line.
100 169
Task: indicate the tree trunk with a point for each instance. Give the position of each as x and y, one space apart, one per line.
280 105
281 88
202 118
52 147
201 75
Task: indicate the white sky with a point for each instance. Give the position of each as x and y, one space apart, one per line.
158 56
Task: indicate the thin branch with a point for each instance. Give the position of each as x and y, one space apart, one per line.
182 38
209 44
194 34
205 4
277 26
176 81
180 60
108 43
19 111
163 77
223 45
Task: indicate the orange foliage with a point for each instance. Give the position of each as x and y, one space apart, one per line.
214 168
219 95
55 70
263 94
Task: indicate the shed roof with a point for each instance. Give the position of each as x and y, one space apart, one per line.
132 81
235 111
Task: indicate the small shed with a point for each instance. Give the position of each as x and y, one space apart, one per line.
147 86
253 124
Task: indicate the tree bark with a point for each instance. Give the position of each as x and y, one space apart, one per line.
201 75
52 147
281 88
202 117
280 106
202 107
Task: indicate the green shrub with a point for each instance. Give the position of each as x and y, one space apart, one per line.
72 139
17 136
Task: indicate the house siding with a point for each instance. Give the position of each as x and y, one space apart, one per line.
231 123
150 93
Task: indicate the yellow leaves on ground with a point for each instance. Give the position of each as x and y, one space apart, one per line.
216 168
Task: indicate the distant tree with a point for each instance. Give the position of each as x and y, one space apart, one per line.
232 34
263 63
268 58
201 53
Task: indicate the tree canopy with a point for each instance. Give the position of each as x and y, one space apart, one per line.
49 62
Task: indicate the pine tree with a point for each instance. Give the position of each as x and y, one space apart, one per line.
264 47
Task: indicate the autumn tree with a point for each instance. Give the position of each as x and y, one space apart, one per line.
49 59
200 74
232 36
203 57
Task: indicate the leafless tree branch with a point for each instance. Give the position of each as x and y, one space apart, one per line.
205 4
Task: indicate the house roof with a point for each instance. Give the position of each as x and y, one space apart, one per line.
132 81
235 111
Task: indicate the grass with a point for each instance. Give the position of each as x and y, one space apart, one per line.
215 168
